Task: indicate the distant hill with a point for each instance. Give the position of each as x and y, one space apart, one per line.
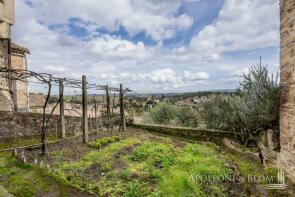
185 94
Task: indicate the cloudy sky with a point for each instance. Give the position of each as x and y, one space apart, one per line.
150 45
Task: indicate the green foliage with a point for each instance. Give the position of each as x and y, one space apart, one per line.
23 179
161 168
53 100
154 153
163 113
133 189
125 174
187 117
21 187
93 188
105 166
193 159
170 168
253 108
77 173
168 114
103 142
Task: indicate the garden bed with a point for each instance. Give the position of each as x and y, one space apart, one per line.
134 163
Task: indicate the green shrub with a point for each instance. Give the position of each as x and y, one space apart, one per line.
95 144
103 141
168 114
253 108
187 116
116 138
111 140
163 113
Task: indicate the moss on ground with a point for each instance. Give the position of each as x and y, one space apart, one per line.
23 141
249 167
103 142
22 179
26 180
134 166
167 170
160 169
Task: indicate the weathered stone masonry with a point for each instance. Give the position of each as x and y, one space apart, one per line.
6 20
188 133
287 68
18 124
5 97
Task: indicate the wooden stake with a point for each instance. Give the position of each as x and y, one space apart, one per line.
62 133
95 114
84 106
122 111
91 126
108 108
43 134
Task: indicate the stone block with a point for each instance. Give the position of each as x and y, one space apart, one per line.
286 157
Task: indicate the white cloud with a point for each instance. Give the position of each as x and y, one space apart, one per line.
160 77
163 76
57 52
198 76
111 47
241 25
156 18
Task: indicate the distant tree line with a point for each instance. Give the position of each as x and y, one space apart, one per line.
168 114
248 111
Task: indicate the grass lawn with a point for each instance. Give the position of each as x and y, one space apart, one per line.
135 163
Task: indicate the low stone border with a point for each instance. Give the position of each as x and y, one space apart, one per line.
197 134
21 157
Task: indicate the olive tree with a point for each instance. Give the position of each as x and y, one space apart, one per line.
253 108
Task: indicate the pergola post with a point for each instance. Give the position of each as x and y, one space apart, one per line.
122 110
95 114
108 107
84 107
62 133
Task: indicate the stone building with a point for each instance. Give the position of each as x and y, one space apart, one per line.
7 17
19 88
6 20
13 94
287 68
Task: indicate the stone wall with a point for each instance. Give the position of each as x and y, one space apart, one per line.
215 136
5 98
287 67
16 124
20 88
